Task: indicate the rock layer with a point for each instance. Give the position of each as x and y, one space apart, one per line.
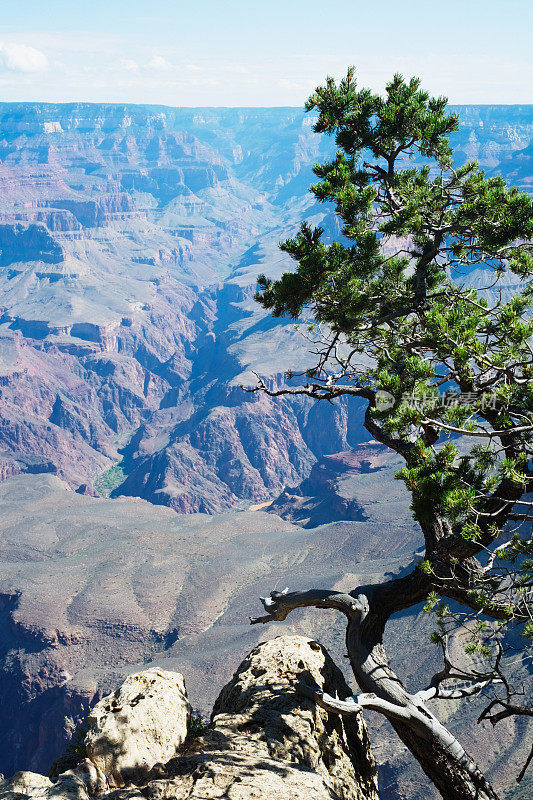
130 242
339 487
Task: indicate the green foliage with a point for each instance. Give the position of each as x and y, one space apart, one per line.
198 724
109 480
395 300
75 751
76 747
432 601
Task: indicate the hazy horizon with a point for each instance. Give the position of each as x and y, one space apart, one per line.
141 104
261 55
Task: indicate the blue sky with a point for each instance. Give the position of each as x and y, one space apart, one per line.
231 53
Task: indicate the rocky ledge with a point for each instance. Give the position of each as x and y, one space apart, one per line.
265 740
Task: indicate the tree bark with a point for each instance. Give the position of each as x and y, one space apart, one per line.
454 778
438 752
443 759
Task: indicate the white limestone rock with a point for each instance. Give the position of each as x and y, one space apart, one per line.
139 725
266 740
37 787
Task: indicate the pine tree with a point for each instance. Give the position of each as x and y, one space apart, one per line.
447 374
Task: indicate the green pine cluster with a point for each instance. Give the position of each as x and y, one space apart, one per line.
395 297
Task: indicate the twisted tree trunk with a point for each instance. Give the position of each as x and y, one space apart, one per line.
438 752
367 609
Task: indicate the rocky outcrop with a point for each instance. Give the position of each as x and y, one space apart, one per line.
30 784
28 243
263 717
94 213
265 741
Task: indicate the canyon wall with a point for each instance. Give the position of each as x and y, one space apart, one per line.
130 242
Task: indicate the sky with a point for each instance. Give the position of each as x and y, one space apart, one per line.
255 53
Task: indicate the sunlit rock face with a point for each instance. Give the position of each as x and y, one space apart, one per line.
141 724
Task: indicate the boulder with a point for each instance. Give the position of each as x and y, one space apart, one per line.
29 784
142 723
90 775
25 782
268 741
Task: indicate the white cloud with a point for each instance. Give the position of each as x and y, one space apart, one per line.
21 58
285 83
238 69
129 65
158 62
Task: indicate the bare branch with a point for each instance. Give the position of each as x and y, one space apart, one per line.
438 693
280 604
526 765
483 433
317 391
354 705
